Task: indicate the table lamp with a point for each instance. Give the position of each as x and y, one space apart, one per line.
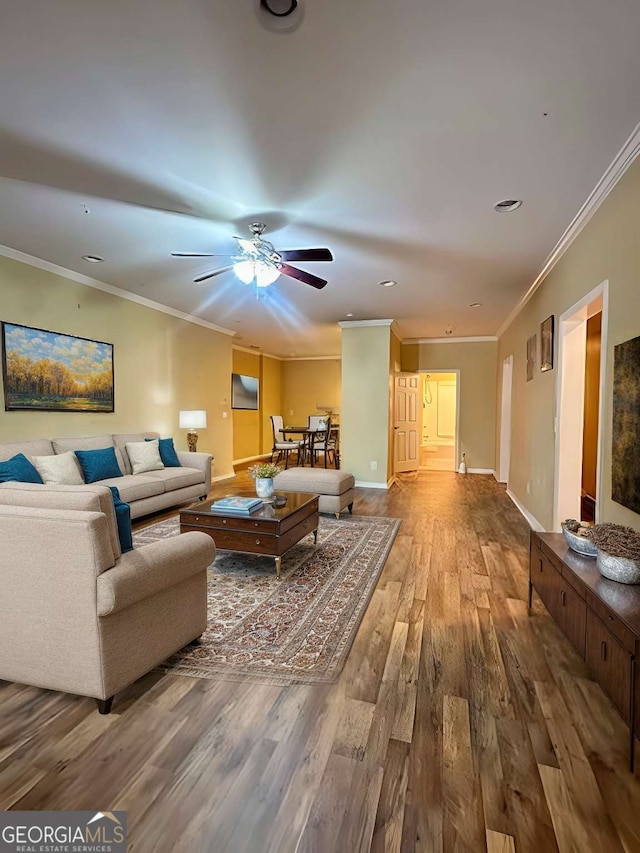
192 420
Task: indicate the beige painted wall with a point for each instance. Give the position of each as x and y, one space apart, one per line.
162 364
271 402
477 363
607 249
246 423
364 413
395 365
305 383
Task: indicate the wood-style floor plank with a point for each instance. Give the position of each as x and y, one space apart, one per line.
460 722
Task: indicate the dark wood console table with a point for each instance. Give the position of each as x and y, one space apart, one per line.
600 617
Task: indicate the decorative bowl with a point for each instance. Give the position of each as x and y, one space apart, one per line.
578 543
618 569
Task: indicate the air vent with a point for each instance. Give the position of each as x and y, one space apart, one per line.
507 205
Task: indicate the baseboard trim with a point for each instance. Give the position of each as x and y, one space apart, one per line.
481 471
251 459
223 477
363 484
533 521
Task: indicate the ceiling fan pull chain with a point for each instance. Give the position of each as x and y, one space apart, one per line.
293 6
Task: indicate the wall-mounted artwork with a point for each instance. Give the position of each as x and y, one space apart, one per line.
52 372
532 354
546 344
244 392
625 467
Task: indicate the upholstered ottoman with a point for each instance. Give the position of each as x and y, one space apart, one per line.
335 488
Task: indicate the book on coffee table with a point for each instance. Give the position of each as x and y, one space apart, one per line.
239 505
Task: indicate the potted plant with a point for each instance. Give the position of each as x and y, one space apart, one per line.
263 473
618 552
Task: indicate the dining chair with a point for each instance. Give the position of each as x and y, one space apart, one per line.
282 447
324 442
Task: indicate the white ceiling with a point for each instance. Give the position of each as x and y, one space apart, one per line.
384 130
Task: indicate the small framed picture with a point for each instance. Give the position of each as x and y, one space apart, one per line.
546 344
532 353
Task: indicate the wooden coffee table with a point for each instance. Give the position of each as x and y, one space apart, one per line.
270 530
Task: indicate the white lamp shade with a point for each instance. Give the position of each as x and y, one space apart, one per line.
193 419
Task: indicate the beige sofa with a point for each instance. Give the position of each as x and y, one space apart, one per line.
145 493
77 615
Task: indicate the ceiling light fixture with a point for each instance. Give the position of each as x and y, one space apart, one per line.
280 16
475 305
507 205
93 259
249 271
388 283
349 315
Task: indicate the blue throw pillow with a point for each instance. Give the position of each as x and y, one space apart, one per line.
98 464
167 452
18 469
123 520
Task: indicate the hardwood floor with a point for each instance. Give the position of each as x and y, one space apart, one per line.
459 723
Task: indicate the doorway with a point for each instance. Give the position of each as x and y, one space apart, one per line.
581 371
440 414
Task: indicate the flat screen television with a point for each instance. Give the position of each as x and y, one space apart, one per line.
244 391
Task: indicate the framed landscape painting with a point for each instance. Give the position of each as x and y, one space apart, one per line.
52 372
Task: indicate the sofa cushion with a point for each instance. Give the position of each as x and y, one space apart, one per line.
144 456
19 469
98 464
135 487
167 452
39 447
120 440
177 478
81 498
61 469
88 442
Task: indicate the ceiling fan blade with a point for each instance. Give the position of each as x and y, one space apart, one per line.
196 255
301 275
306 255
212 274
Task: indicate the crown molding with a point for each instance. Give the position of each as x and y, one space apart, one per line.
287 358
96 284
248 349
470 340
354 324
621 162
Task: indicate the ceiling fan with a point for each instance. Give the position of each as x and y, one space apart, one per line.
259 261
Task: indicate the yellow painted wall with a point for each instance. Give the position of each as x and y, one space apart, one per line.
305 383
271 402
246 423
162 364
607 249
477 363
364 413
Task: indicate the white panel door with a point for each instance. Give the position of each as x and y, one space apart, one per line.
406 445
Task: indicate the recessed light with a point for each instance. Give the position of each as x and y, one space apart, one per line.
349 315
93 259
388 283
507 205
475 305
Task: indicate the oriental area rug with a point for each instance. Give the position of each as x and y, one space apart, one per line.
294 631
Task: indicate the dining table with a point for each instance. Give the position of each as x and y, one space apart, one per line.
309 436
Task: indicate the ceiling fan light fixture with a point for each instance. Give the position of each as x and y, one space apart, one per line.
256 271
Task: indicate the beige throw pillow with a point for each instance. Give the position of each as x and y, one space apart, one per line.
61 469
144 456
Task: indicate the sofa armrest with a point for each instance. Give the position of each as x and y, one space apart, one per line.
148 570
201 461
